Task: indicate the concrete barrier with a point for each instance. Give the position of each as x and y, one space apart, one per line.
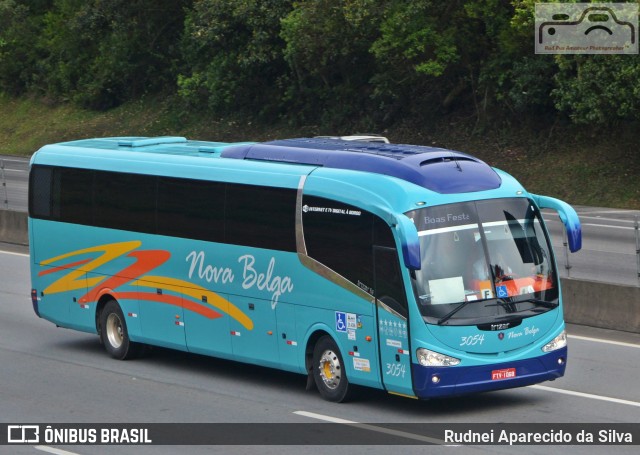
602 305
13 227
588 303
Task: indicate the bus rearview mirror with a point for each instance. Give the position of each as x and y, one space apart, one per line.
568 216
410 242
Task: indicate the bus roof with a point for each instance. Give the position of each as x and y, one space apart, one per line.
436 169
394 176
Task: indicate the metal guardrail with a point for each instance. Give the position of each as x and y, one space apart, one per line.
4 185
637 231
567 256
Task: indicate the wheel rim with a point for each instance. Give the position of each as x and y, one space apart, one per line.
115 331
330 369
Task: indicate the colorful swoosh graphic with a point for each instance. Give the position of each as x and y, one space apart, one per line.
192 296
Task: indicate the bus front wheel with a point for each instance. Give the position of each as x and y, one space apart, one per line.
329 372
113 333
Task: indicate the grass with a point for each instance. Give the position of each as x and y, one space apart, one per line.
577 165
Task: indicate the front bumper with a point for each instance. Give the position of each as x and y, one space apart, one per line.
461 380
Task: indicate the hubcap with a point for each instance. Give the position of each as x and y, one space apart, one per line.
114 330
330 369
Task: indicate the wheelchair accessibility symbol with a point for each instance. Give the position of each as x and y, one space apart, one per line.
502 292
341 321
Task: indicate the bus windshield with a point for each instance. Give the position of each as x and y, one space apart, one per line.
483 261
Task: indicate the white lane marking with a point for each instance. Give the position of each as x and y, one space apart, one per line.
631 212
595 250
586 395
598 225
558 246
313 415
14 254
15 170
608 226
365 426
602 218
600 340
54 451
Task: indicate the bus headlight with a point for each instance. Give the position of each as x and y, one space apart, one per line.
558 342
429 358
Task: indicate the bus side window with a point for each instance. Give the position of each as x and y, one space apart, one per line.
261 217
191 209
73 189
388 281
340 237
40 182
61 194
125 201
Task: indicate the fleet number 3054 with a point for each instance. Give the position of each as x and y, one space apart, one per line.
472 340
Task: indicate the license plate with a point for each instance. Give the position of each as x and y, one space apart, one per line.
507 373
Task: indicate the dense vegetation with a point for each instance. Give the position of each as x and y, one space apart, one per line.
368 62
457 73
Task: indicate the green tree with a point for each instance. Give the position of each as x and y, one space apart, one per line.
513 78
432 53
102 53
598 89
327 49
20 24
588 89
233 55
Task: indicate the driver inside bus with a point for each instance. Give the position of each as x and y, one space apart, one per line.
478 273
501 270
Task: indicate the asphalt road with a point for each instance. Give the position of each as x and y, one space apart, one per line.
53 375
608 248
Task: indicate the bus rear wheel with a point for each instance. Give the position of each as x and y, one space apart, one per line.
114 335
328 371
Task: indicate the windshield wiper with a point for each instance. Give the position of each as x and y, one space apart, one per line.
539 302
447 316
509 305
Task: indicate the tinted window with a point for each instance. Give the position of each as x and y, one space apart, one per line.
389 286
125 201
341 237
72 195
191 208
261 217
61 194
382 235
40 180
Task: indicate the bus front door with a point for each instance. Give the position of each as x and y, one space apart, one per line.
393 327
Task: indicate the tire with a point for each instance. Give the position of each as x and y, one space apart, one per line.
114 335
329 371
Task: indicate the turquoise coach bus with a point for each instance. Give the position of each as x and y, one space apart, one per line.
417 270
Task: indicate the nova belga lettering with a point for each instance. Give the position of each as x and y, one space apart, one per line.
251 277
